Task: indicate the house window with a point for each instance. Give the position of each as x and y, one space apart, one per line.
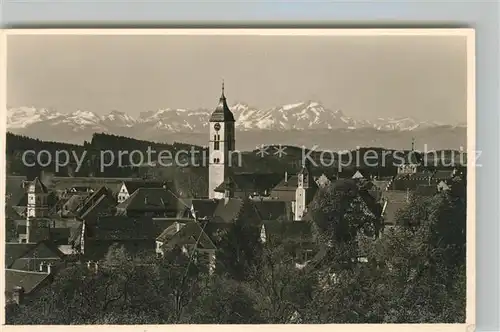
216 160
216 142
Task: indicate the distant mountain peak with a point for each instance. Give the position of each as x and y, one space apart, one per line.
298 115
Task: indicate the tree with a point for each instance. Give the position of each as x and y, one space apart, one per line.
339 215
224 301
283 288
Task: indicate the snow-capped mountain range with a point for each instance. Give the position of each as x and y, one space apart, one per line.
297 116
306 123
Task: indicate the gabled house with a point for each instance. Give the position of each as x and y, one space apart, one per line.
151 202
129 187
192 239
136 235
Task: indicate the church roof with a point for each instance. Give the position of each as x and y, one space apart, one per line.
222 112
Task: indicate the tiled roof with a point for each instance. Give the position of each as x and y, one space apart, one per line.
222 112
204 208
62 183
189 234
75 234
124 228
273 209
56 234
103 204
391 210
55 222
395 201
395 195
251 182
151 199
290 184
132 186
74 202
94 197
28 280
33 263
15 251
228 210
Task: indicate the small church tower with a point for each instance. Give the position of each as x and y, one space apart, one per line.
304 192
36 209
221 144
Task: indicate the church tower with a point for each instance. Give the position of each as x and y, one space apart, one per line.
221 144
36 209
304 192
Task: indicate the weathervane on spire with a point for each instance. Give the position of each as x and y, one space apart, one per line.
413 143
222 87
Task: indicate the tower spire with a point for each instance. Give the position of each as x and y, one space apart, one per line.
222 96
413 143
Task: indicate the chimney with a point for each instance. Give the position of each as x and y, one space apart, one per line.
286 176
42 266
145 200
18 294
177 226
49 268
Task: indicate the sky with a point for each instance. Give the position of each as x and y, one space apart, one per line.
423 77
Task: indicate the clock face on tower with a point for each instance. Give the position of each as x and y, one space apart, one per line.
217 126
